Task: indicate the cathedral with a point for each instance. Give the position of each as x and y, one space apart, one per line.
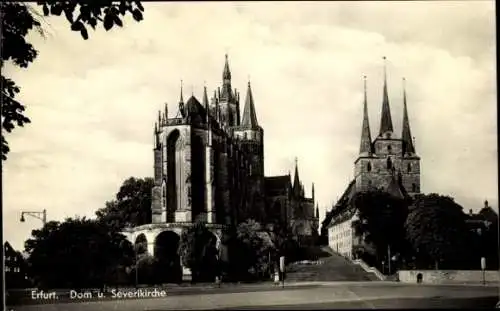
209 166
388 162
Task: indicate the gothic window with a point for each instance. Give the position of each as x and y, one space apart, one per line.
369 183
413 188
369 167
408 168
389 148
389 163
245 135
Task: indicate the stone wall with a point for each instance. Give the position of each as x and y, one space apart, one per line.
448 276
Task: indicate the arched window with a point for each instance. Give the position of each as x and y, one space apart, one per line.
389 163
413 187
369 167
408 167
389 148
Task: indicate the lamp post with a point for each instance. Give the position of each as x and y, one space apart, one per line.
39 215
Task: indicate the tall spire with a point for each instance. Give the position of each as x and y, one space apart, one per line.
205 96
366 138
408 146
386 120
166 111
226 74
249 116
226 93
312 194
181 100
205 103
296 181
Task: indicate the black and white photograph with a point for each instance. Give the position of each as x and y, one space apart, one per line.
218 155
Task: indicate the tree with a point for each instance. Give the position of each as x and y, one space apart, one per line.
132 206
76 253
197 248
18 19
254 247
381 221
437 231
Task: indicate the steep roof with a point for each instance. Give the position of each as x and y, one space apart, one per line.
249 120
277 184
194 107
385 119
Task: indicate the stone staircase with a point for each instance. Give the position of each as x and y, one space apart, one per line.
329 266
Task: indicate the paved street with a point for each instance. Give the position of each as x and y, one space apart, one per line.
303 296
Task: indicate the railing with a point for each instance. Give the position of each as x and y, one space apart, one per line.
373 270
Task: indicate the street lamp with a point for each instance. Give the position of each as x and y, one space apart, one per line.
39 215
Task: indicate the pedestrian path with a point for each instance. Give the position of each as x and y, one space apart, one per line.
329 267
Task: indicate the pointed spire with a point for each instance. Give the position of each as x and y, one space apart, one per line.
181 100
159 118
205 96
226 92
366 138
226 74
408 147
166 112
249 120
386 120
317 211
205 105
312 192
296 181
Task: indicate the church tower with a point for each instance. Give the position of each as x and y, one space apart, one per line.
387 162
250 136
228 105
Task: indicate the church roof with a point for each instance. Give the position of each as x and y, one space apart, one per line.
249 119
194 107
277 184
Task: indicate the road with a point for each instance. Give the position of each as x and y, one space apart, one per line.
345 295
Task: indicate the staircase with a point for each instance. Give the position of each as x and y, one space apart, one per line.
328 267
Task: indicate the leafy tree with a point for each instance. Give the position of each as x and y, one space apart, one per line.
254 247
197 248
18 19
381 221
436 229
132 206
76 253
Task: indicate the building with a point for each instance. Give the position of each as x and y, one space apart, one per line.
481 221
209 167
15 268
388 162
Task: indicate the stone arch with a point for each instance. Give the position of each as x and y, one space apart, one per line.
141 244
166 247
172 174
197 176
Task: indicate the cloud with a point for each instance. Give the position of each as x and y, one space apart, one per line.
93 103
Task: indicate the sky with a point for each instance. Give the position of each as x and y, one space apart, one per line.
93 103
